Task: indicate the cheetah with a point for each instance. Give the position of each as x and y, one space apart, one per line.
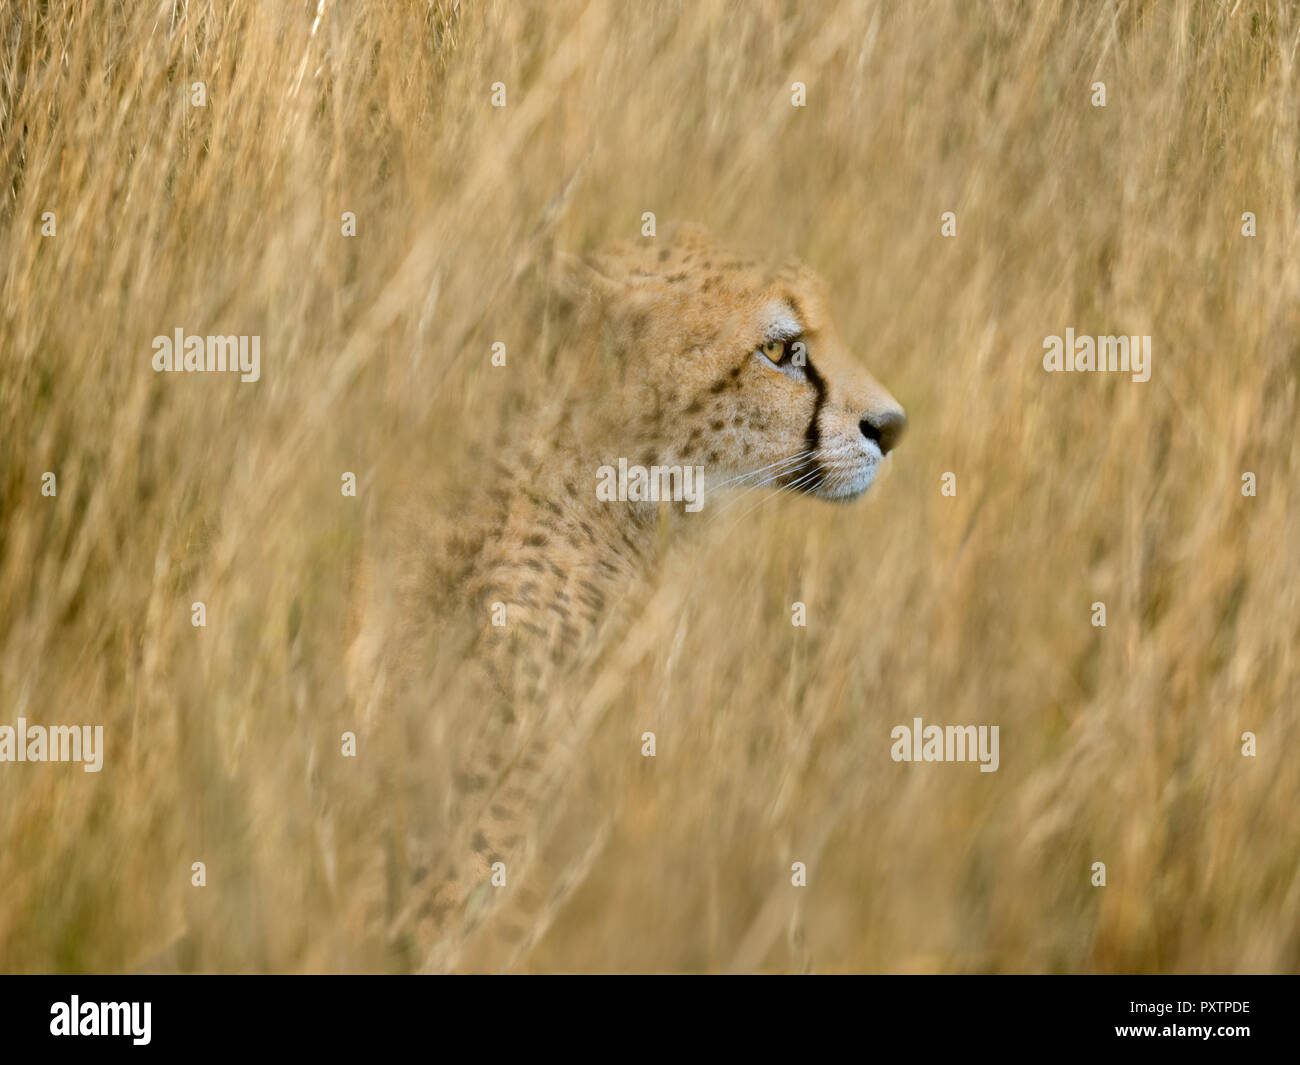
716 361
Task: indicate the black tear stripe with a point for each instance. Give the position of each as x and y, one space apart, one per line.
813 435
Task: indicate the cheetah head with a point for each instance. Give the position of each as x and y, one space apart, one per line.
733 364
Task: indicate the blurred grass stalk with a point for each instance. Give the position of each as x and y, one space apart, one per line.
1119 744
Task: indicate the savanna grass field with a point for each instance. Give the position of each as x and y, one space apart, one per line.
133 204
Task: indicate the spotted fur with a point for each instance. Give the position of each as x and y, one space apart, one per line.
683 325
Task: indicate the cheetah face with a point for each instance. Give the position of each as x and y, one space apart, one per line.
818 423
736 366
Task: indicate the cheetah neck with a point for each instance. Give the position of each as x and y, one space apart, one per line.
567 558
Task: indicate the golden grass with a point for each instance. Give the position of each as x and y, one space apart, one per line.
1119 744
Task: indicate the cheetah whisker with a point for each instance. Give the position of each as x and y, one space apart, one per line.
791 487
791 469
761 469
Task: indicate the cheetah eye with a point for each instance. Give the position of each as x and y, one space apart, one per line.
784 355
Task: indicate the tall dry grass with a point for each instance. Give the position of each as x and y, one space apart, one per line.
1119 744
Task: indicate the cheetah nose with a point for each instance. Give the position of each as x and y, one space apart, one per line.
884 427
